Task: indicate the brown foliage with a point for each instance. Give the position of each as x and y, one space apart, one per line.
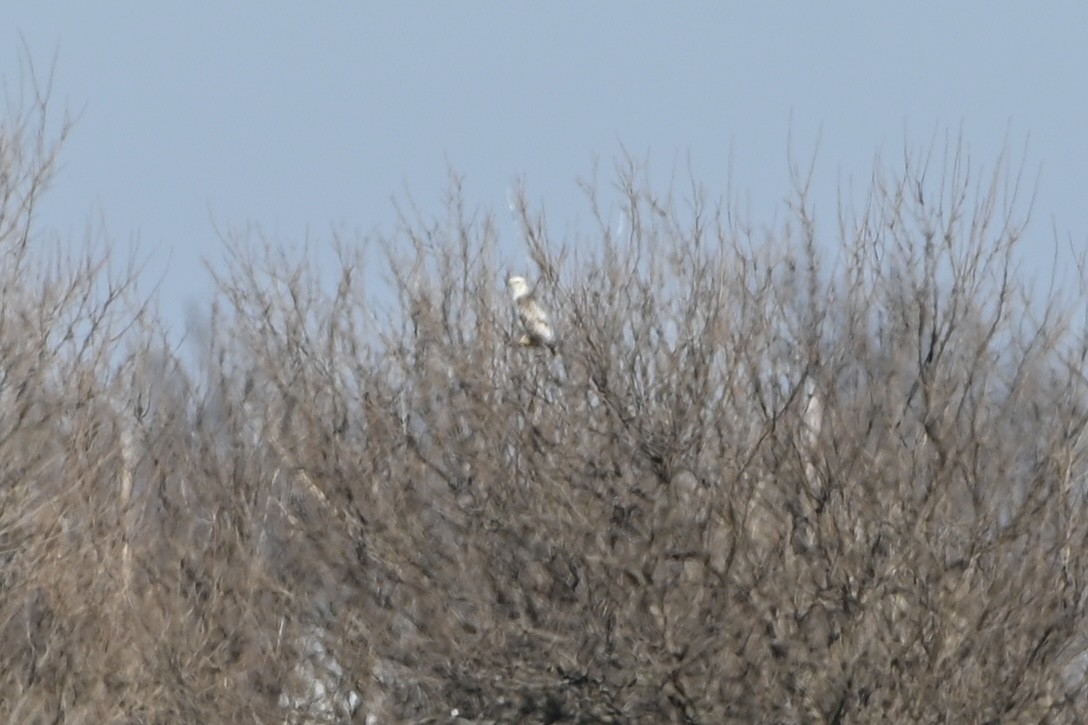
751 486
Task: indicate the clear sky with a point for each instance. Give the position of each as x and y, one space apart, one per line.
308 117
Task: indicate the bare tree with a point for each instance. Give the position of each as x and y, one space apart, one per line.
748 485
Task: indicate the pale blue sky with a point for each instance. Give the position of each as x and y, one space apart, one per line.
304 117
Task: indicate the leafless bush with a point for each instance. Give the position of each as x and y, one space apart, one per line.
750 485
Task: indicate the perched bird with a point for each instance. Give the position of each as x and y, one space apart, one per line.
534 320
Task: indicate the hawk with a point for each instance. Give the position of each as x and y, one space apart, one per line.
534 320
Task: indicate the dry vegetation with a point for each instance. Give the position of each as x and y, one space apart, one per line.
752 486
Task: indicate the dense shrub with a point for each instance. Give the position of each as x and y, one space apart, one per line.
768 475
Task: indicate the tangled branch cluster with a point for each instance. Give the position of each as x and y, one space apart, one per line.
751 486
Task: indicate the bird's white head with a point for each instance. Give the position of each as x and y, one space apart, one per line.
518 286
